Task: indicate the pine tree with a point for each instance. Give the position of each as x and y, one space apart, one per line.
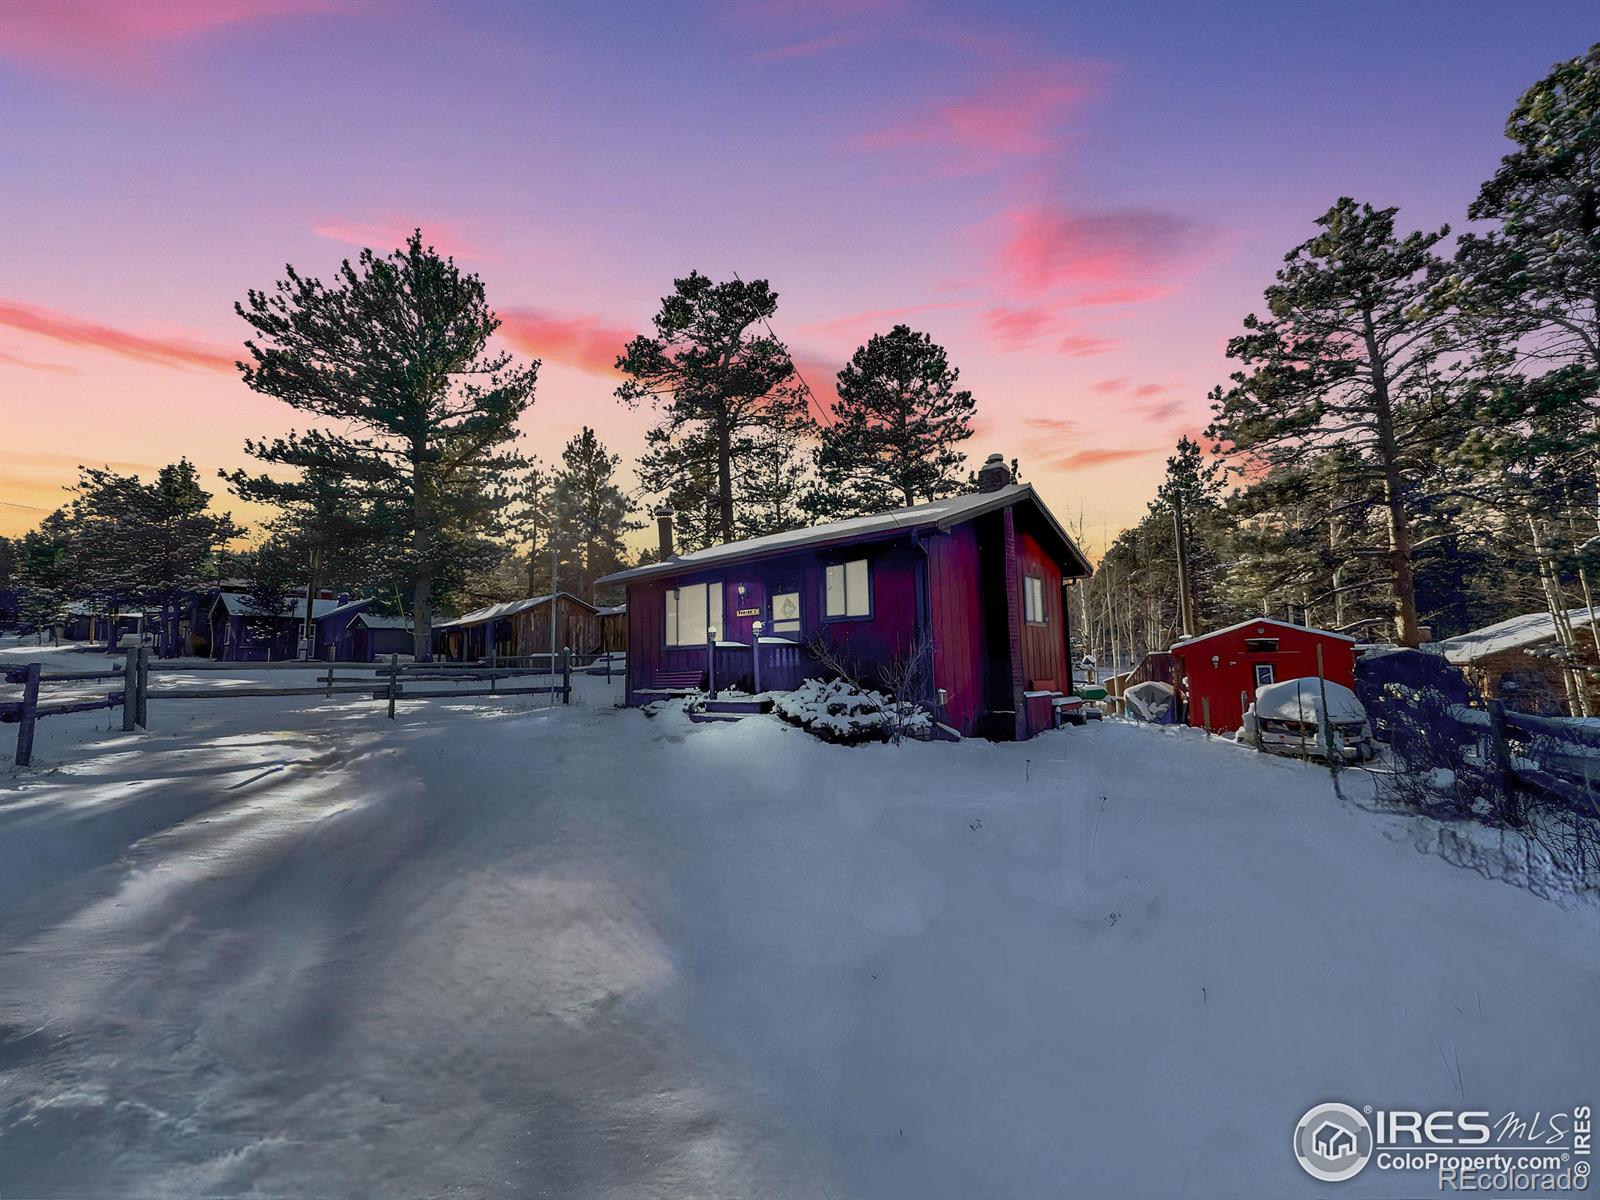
1350 356
591 515
1189 490
417 413
896 428
1535 280
715 373
147 545
48 570
772 482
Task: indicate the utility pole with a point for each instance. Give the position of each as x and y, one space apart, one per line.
311 590
1181 536
555 562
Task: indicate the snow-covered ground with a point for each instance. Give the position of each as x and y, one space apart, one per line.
291 948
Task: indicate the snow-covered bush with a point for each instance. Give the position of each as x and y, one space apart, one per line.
838 711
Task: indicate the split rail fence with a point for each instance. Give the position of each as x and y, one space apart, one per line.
385 682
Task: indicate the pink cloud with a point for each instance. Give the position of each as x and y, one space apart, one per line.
1086 345
74 331
391 233
1112 257
1099 456
125 39
862 325
1009 329
1163 410
1109 387
1019 115
29 364
585 342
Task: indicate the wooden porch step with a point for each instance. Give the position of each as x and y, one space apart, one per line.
718 718
667 693
746 707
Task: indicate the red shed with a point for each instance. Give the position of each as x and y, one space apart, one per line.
1227 665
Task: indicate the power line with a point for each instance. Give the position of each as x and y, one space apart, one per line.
811 397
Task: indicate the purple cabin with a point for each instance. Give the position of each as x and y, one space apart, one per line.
979 578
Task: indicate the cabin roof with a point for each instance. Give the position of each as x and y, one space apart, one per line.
1514 633
382 621
494 612
1202 637
939 514
238 604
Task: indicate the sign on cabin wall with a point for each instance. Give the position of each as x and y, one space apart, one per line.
748 612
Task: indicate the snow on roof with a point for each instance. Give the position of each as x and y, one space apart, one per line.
239 604
493 612
941 513
1200 637
616 610
381 621
1514 633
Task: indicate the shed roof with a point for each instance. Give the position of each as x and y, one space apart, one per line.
381 621
493 612
1514 633
239 604
939 514
1202 637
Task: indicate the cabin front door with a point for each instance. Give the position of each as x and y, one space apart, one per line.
744 608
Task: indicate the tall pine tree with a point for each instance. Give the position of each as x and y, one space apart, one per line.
416 413
716 375
896 430
1350 356
591 515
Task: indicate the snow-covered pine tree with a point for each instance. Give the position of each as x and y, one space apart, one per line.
896 431
715 374
1350 355
417 414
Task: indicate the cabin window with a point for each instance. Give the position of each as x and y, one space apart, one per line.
1264 674
785 612
1261 645
848 592
691 610
1033 600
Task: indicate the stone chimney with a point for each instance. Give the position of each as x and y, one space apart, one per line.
664 531
994 474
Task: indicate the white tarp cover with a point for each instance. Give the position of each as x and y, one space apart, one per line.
1150 700
1299 700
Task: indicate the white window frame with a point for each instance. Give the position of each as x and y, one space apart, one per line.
791 626
849 584
1270 672
1033 610
675 633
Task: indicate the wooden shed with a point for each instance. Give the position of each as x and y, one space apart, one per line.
977 580
1220 671
519 627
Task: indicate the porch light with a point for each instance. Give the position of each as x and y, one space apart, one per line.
1216 661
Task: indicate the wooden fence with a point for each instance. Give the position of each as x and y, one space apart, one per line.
1557 757
388 682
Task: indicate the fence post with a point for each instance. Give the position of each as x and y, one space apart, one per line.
492 659
330 681
1505 768
1326 720
755 654
130 691
144 687
566 674
608 666
30 705
1205 713
394 676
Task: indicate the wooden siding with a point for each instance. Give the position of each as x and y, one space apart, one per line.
1044 647
870 641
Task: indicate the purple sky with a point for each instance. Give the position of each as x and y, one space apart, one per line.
1079 200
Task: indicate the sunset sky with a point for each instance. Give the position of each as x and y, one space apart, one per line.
1079 200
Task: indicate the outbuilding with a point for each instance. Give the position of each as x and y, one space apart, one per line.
520 627
1220 671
